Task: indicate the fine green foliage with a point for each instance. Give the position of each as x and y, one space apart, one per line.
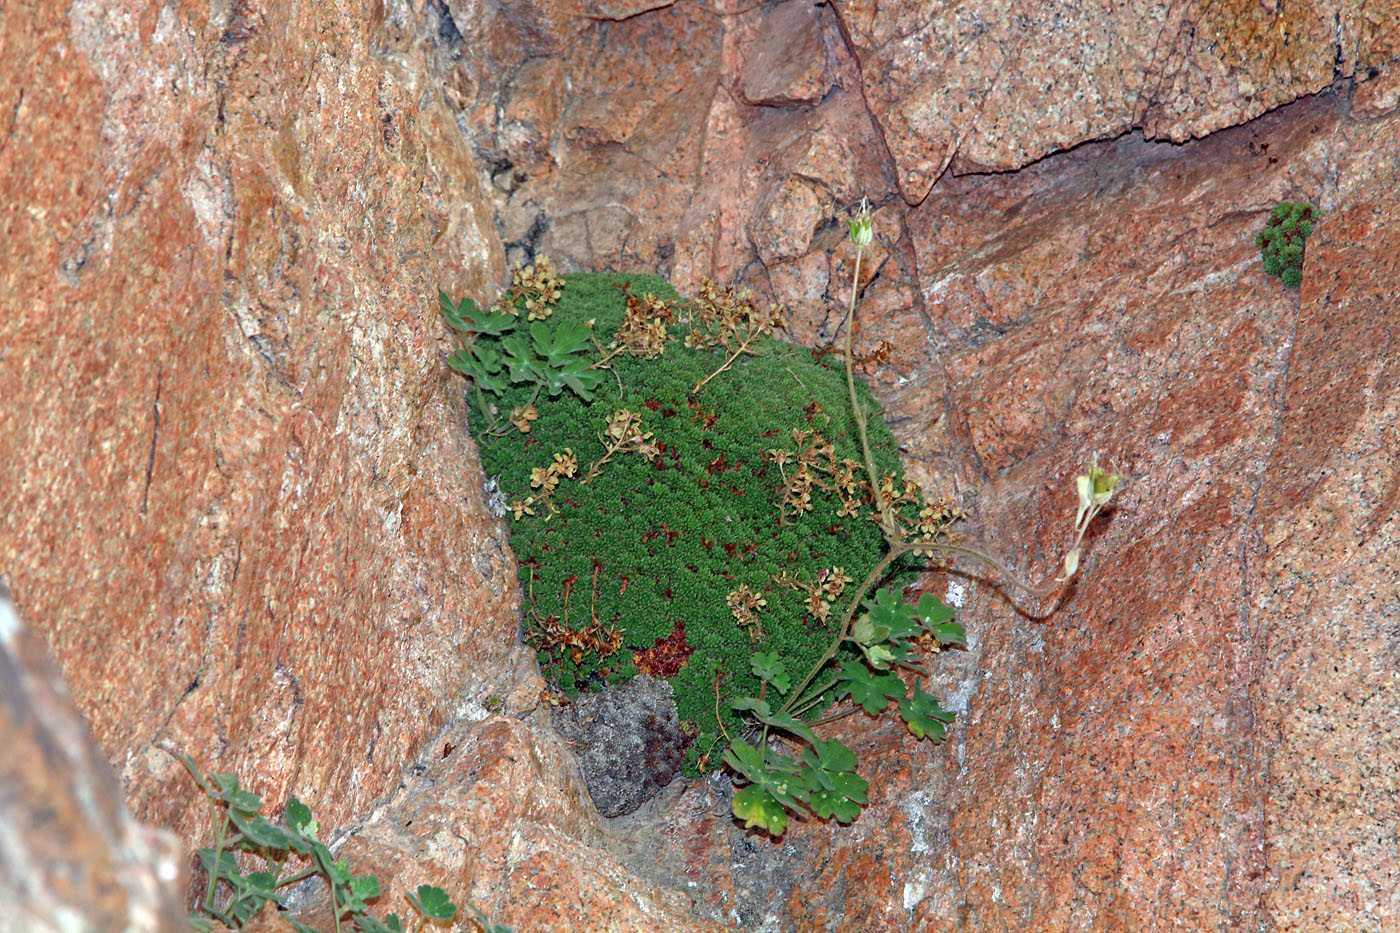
728 468
233 896
670 555
1281 241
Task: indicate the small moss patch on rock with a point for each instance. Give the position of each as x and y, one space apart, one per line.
1281 241
678 540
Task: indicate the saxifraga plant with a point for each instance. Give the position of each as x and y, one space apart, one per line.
680 497
623 561
234 897
1281 241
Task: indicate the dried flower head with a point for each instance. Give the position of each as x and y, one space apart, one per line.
744 603
644 326
521 416
534 287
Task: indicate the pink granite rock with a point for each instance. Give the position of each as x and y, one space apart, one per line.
71 856
496 811
237 499
997 86
1198 737
239 504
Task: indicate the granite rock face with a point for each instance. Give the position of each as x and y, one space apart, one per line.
998 85
237 499
499 808
71 856
239 505
722 140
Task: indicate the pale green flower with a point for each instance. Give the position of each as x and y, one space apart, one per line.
860 225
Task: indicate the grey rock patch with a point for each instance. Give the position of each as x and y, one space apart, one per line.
628 742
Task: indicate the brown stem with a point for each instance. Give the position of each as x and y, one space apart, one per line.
743 347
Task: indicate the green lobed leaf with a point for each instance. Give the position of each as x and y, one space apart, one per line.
364 886
260 832
833 755
871 692
924 717
852 785
297 816
466 316
339 872
757 807
829 803
301 828
568 338
433 903
745 759
264 883
767 666
520 359
578 377
228 867
789 724
950 633
790 790
932 610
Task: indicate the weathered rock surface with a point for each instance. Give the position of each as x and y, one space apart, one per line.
1201 736
720 141
998 85
236 499
71 856
628 742
499 808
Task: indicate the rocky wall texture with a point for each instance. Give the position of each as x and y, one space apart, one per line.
71 856
995 86
1200 737
238 500
239 504
720 140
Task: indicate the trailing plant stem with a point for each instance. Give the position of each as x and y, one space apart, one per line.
870 579
743 348
887 524
218 853
799 700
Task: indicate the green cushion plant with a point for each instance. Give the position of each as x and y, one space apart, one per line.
667 541
1282 239
695 465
